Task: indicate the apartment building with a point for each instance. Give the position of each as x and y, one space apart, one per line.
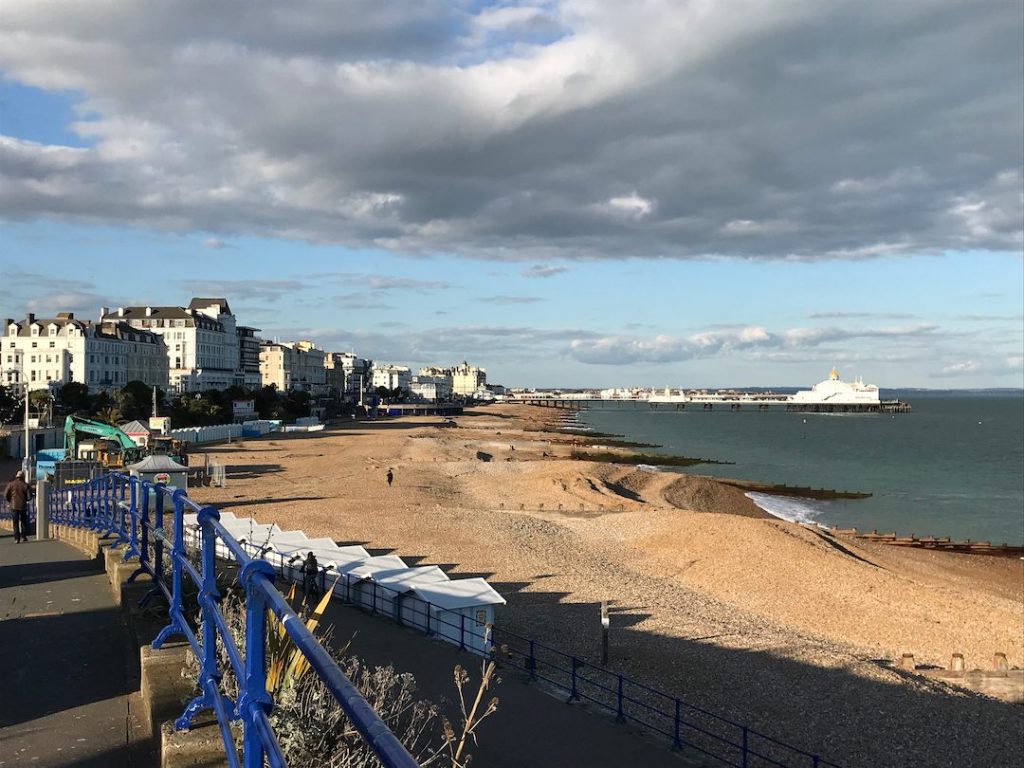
432 384
64 349
293 365
390 376
467 379
348 374
202 340
249 357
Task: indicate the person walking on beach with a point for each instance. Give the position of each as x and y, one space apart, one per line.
390 476
16 494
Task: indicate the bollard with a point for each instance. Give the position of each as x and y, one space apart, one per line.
907 662
42 509
956 664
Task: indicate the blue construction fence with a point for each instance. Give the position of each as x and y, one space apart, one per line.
133 512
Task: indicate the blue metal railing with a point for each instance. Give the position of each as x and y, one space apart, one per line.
133 513
685 726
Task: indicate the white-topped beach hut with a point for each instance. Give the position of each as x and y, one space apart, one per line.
394 597
461 611
357 578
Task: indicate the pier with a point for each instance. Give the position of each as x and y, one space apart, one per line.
710 402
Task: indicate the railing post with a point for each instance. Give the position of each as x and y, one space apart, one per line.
143 538
573 695
462 631
177 619
209 675
619 716
156 568
254 697
746 753
531 663
676 741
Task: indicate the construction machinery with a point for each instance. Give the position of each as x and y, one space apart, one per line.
110 446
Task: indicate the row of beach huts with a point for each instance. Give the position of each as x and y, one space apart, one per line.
460 611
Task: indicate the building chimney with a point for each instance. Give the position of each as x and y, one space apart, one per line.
31 316
149 311
120 311
104 311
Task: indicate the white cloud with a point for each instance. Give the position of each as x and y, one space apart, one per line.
631 205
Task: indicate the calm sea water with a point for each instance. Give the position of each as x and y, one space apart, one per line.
954 466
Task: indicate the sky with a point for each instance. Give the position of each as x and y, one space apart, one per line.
577 193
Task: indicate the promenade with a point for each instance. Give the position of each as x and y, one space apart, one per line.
69 668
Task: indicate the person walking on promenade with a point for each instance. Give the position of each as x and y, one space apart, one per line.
16 494
390 476
310 570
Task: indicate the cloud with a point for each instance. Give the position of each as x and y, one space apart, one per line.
541 271
962 368
531 132
860 316
793 344
46 295
244 290
632 206
214 243
507 300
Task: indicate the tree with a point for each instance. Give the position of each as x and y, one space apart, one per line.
266 401
73 397
10 404
110 415
135 400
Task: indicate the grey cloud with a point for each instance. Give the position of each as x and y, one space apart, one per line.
377 282
801 130
46 295
507 300
540 270
860 315
243 290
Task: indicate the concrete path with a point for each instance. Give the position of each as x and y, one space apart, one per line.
531 727
68 665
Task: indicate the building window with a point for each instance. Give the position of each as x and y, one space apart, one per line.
53 344
34 345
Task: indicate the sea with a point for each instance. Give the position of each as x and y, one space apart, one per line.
953 466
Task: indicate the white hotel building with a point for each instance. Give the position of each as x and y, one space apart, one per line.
202 342
60 350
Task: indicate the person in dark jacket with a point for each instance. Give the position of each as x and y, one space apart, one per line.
310 570
16 494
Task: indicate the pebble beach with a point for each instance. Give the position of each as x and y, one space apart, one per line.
792 629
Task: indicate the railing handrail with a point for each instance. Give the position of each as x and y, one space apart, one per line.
121 506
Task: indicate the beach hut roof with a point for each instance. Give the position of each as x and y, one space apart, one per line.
158 463
372 565
407 578
460 593
135 427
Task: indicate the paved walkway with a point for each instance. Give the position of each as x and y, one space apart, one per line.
531 727
67 664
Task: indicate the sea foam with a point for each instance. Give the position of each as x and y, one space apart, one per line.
787 507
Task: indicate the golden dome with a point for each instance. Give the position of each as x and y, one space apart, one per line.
834 375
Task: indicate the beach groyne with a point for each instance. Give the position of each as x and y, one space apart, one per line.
944 544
